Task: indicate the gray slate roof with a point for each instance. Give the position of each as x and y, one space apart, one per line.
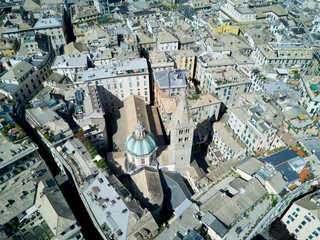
280 161
214 223
17 71
174 186
171 79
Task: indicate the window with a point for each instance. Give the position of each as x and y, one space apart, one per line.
303 223
307 218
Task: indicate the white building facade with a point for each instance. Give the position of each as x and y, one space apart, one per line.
118 82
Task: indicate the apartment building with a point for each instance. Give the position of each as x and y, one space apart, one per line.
169 83
223 139
202 107
83 11
238 11
54 27
226 84
254 126
90 114
309 89
166 42
302 218
102 6
68 65
146 41
224 27
32 197
51 127
112 212
185 59
200 5
270 12
9 46
118 81
286 100
24 80
284 54
160 61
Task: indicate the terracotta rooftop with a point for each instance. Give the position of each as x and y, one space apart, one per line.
293 187
303 174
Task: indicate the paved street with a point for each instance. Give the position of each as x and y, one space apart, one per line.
210 191
247 223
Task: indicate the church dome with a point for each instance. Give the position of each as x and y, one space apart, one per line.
140 143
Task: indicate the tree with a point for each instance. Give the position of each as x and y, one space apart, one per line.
101 163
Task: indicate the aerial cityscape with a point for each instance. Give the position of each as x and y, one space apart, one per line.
159 119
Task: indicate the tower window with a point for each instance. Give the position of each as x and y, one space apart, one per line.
180 140
187 130
180 131
186 139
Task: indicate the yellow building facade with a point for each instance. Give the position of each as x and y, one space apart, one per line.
185 59
8 46
225 27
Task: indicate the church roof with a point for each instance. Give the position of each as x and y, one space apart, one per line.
175 190
140 143
149 183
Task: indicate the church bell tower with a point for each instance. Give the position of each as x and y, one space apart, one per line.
181 137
